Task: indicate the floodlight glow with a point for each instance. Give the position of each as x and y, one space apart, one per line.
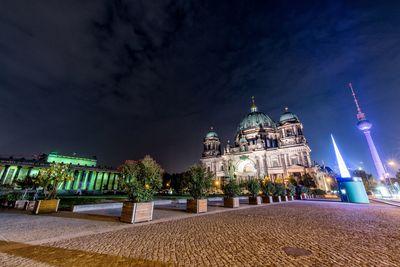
344 172
384 192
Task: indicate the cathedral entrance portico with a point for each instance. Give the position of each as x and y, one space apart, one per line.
246 169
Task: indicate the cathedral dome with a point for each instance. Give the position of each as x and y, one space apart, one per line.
211 134
288 116
255 119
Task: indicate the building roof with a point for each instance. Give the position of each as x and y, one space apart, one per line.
288 116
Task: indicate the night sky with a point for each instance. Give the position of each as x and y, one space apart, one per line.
121 79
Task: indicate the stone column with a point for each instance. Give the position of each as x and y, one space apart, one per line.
102 181
77 180
265 163
84 183
68 183
3 176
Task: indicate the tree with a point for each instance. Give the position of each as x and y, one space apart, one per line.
268 189
307 181
291 189
199 181
50 179
292 180
367 178
280 190
254 187
141 179
179 182
231 189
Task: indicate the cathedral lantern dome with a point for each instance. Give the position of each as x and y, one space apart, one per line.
211 134
212 145
255 119
288 117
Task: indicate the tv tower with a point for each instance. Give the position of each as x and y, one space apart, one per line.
364 125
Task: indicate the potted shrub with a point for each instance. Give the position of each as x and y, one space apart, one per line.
25 185
304 192
5 191
49 180
319 193
199 182
279 191
291 191
254 188
140 180
268 191
12 198
282 192
231 192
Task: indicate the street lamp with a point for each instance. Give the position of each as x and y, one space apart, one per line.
392 164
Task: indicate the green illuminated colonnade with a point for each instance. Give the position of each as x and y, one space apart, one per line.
87 176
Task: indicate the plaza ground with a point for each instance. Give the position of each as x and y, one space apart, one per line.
324 233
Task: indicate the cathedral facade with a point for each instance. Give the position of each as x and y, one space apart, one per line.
261 149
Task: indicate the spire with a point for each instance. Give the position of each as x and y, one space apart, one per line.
253 105
360 114
344 172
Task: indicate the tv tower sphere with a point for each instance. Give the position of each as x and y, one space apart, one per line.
364 125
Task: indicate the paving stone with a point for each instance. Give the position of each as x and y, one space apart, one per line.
336 234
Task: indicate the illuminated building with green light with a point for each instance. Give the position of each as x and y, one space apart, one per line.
87 175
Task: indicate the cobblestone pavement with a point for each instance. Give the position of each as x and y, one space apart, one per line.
327 234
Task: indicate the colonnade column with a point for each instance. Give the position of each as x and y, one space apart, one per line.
84 183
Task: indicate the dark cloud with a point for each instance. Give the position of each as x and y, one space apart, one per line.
121 79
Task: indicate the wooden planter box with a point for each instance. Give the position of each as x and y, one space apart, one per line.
46 206
277 198
196 205
21 204
11 204
137 212
231 202
267 199
255 201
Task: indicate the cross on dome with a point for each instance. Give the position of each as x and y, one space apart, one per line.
253 105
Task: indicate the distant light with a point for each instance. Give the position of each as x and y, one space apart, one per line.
360 168
343 191
384 192
391 163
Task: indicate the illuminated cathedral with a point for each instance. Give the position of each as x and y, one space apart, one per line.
261 149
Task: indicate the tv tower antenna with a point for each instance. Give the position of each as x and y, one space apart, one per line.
360 114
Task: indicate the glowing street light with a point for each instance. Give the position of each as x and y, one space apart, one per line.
391 163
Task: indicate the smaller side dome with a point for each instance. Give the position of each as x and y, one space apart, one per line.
211 133
288 116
